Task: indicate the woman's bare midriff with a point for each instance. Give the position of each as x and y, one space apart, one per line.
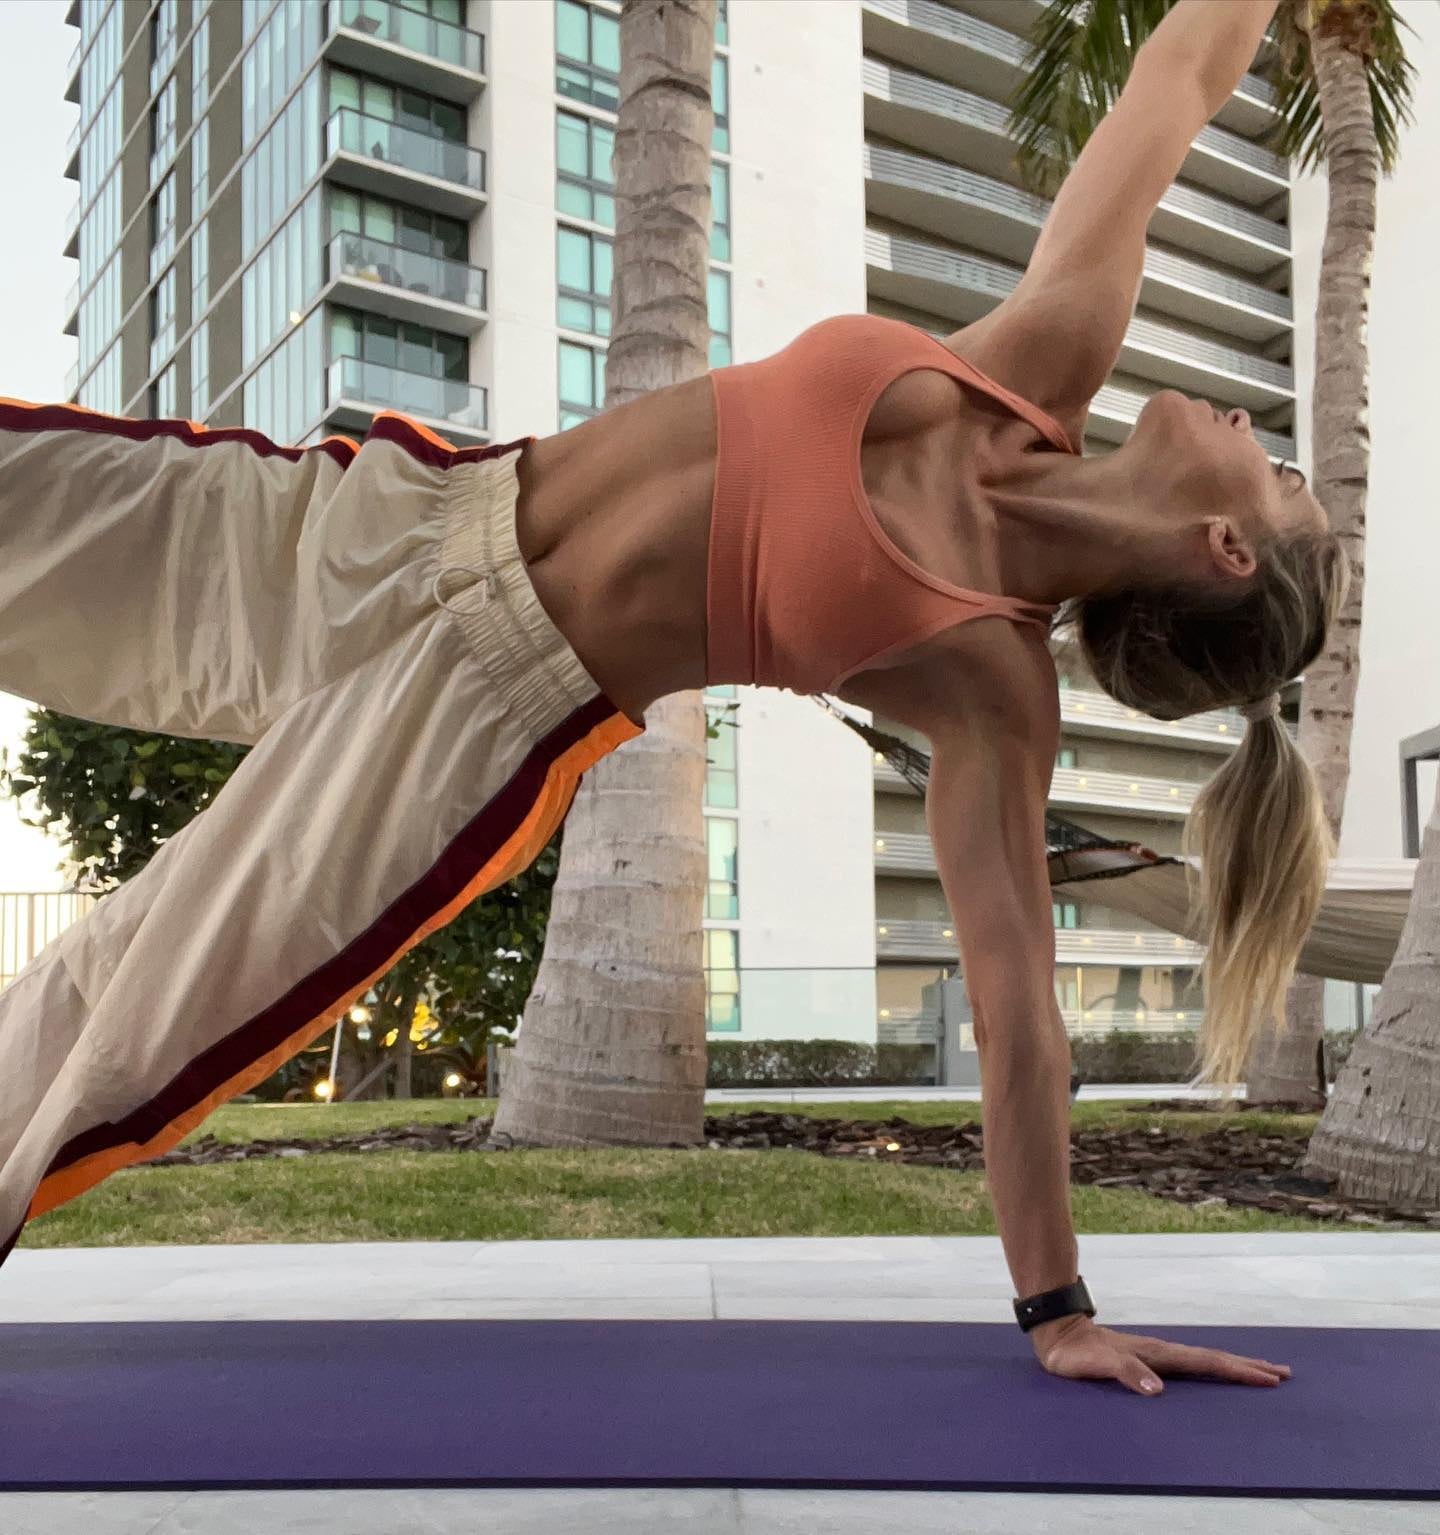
613 521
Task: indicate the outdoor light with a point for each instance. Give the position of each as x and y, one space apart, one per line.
879 842
1224 729
323 1088
1134 788
360 1014
893 1146
453 1080
947 933
883 931
1083 782
884 1012
294 316
1174 794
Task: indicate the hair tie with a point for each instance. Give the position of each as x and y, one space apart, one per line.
1261 708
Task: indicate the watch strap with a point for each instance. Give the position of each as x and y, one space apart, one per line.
1065 1300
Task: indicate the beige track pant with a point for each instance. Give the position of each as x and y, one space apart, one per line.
419 727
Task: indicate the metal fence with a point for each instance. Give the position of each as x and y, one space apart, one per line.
31 919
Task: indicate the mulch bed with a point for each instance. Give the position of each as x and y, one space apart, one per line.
1226 1166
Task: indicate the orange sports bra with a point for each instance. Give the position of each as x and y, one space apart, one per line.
803 586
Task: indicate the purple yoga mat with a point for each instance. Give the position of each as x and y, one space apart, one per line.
934 1405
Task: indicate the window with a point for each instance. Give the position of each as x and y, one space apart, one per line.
162 395
388 343
722 980
415 229
1065 757
396 104
1067 913
722 25
162 319
199 168
722 892
200 70
275 60
279 166
162 226
162 130
586 183
200 268
164 24
719 210
720 773
587 47
720 99
200 371
585 266
718 298
582 383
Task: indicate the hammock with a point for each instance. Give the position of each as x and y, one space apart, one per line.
1353 937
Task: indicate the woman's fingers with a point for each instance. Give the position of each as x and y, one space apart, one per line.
1185 1359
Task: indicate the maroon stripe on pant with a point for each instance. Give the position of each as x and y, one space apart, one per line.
19 417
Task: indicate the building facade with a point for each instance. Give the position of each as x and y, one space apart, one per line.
294 213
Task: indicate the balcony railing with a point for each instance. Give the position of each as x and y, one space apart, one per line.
1121 791
414 394
1178 357
1084 706
914 1026
1006 48
72 380
1228 161
377 261
406 28
30 920
372 138
1194 290
939 178
902 938
1089 787
72 226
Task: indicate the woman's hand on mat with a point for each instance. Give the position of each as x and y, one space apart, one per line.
1077 1348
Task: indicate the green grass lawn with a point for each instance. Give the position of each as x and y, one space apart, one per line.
443 1196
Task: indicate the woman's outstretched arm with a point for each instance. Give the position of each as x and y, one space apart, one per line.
1056 338
992 755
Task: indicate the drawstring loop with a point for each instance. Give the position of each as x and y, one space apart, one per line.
489 587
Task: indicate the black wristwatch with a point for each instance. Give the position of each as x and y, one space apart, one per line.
1050 1304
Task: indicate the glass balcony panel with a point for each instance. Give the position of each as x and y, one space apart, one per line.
413 394
357 256
372 137
413 30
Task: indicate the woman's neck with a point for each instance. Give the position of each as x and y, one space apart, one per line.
1078 527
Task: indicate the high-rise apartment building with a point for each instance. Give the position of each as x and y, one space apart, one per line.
294 213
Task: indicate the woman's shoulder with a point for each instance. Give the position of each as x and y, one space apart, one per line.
1015 346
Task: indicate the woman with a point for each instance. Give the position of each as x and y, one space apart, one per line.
426 648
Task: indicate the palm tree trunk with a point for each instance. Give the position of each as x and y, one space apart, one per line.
1379 1138
1282 1066
611 1047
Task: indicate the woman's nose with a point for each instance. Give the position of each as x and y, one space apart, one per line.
1239 417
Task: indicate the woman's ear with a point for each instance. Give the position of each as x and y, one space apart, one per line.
1231 553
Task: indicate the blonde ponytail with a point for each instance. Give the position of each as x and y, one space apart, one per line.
1264 844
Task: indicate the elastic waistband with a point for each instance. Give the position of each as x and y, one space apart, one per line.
483 583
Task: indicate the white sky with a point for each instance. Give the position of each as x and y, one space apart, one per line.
35 122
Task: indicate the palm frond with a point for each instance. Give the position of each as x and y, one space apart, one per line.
1079 59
